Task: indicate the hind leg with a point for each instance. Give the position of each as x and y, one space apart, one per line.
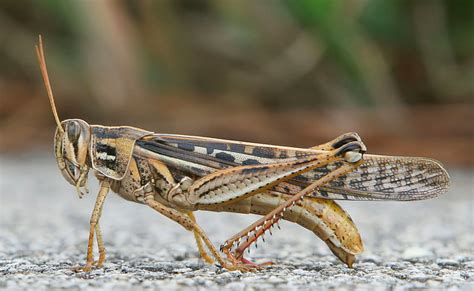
236 245
338 142
325 218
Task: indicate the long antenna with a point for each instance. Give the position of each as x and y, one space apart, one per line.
47 84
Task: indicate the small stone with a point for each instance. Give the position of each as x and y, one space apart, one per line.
235 286
371 259
133 281
275 279
414 253
187 282
300 272
420 277
468 264
182 270
446 263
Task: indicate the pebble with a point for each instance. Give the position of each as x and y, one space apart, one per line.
414 253
275 279
235 286
447 262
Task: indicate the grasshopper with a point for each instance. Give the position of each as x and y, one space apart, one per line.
177 174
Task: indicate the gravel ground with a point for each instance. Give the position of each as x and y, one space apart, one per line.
44 230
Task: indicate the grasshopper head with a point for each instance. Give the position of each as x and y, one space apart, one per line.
72 137
71 147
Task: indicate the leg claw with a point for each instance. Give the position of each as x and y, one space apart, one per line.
239 263
98 264
88 267
79 269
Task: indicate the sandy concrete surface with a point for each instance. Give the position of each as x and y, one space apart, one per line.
44 230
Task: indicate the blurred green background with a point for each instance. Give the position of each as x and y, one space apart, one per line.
401 73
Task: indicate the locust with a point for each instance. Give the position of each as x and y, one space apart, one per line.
177 175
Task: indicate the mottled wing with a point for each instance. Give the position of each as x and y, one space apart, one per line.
382 178
378 178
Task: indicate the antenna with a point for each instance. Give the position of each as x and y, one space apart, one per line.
47 84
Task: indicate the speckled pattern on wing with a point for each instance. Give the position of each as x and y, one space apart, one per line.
392 178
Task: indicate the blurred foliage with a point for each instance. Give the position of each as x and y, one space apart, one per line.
147 61
365 53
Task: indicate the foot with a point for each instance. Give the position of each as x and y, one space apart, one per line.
238 262
98 264
89 266
261 265
86 268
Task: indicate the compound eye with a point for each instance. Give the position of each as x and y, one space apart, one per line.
73 131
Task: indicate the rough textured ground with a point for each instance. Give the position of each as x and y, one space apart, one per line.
44 228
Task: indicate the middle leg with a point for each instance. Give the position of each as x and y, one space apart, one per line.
199 242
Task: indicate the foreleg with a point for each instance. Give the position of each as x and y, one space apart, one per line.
94 227
186 222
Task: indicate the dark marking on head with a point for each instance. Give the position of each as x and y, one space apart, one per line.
225 157
73 131
75 147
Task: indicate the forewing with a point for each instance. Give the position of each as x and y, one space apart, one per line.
378 178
